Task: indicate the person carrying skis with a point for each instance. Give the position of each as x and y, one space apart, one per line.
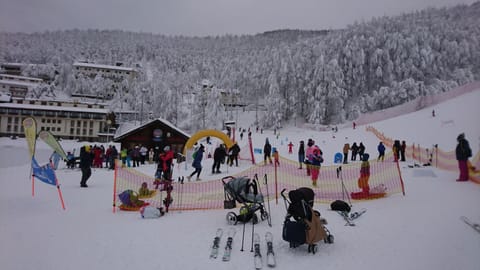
462 153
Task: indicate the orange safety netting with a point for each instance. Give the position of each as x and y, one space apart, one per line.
435 156
210 194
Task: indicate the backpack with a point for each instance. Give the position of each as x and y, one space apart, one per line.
340 205
315 231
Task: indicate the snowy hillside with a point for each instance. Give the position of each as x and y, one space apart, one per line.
421 230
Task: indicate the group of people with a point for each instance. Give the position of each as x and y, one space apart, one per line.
220 154
312 157
355 149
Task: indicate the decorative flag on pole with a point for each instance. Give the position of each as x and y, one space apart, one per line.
47 175
30 130
43 173
49 139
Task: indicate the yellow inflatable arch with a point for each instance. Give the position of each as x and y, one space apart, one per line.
205 133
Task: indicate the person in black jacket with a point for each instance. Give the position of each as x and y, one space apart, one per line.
267 151
218 158
301 154
234 151
463 152
85 165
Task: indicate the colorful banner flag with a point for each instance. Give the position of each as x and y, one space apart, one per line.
30 130
44 173
49 139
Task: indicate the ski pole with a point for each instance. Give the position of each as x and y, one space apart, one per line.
243 235
269 219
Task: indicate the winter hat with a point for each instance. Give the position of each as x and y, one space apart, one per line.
166 148
87 148
461 136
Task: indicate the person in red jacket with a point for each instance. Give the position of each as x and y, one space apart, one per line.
290 148
165 161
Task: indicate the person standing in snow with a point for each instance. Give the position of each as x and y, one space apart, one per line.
234 151
361 150
85 165
354 151
346 147
165 161
218 158
315 164
309 154
197 162
462 153
403 147
267 151
301 154
381 151
290 148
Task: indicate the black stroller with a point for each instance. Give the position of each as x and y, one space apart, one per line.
245 191
307 227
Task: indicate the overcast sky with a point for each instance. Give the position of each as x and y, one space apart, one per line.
199 17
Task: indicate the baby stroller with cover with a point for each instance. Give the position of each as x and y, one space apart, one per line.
307 227
244 191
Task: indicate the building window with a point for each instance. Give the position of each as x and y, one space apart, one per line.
59 121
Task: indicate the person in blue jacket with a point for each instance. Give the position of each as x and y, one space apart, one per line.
197 162
381 151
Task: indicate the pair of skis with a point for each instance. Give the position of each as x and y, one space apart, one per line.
228 245
257 257
474 225
350 218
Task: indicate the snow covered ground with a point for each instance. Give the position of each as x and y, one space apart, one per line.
420 230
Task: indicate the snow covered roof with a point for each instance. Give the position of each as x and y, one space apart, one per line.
129 127
16 77
52 108
90 65
18 83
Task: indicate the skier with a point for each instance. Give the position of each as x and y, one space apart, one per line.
54 159
85 165
301 154
197 163
462 153
267 151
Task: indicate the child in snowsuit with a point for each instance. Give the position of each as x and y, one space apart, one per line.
364 176
315 164
276 157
